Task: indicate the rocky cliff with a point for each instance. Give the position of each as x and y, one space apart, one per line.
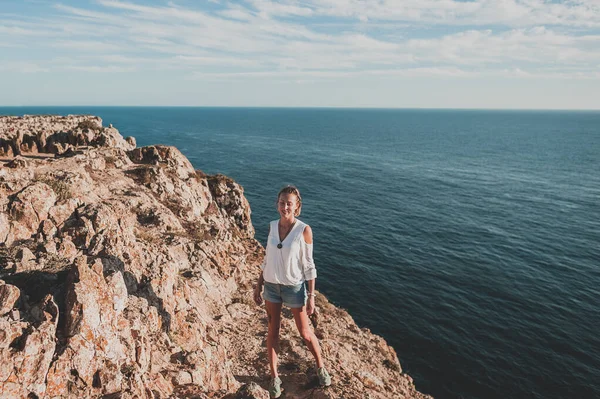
125 273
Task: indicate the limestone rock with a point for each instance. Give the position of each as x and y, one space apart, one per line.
25 260
251 391
25 255
30 206
4 227
96 346
130 140
18 162
160 154
23 366
8 296
56 134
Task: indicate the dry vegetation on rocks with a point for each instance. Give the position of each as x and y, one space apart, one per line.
125 273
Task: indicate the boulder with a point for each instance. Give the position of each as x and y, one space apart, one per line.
251 391
8 296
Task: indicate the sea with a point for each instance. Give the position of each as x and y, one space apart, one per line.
468 239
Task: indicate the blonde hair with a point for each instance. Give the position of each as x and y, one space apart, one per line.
289 189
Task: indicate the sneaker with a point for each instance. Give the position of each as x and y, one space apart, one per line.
275 387
324 377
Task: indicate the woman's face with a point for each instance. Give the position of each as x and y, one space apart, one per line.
287 205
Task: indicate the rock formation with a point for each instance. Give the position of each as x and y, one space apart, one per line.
125 273
56 134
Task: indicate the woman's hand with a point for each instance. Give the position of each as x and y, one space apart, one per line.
257 295
310 305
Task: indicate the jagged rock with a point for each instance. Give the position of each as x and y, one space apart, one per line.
50 247
251 391
4 227
229 196
30 206
48 229
6 149
61 211
16 233
25 255
18 162
26 260
370 381
56 134
149 265
182 378
67 249
24 363
96 346
8 296
130 140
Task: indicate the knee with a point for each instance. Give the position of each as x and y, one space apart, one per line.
307 335
274 329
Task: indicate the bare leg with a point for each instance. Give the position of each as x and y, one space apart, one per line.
303 324
274 317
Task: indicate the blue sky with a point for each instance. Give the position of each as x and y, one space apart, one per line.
531 54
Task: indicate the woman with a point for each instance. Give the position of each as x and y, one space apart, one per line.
287 266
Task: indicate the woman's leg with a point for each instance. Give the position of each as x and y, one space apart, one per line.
274 317
303 324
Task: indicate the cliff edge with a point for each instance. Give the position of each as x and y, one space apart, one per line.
125 273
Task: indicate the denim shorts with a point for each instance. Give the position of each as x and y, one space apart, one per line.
292 296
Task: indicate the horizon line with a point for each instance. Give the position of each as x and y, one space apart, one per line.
307 107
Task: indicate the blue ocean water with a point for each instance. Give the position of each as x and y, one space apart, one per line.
470 240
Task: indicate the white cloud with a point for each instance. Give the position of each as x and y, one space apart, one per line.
236 12
251 41
224 61
310 41
101 69
532 46
452 12
448 71
269 8
23 67
88 45
19 31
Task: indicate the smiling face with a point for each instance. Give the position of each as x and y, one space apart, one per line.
288 205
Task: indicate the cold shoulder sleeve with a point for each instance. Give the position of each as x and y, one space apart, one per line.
308 264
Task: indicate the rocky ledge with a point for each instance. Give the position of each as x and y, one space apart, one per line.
125 273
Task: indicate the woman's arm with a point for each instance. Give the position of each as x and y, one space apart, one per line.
311 286
310 303
258 289
309 269
306 255
261 280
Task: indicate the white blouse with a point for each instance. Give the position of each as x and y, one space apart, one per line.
291 264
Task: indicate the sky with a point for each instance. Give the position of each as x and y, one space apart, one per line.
507 54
